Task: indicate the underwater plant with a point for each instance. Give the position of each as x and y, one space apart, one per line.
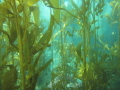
81 60
113 17
20 29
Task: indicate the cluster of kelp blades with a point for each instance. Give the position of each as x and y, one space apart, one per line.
22 37
19 29
94 65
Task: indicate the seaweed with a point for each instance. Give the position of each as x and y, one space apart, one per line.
81 58
21 41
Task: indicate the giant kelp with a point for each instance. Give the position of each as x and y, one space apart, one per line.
113 18
88 63
21 42
82 60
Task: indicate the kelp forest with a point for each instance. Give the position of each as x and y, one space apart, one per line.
59 44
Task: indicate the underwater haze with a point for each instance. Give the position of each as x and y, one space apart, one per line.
59 45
